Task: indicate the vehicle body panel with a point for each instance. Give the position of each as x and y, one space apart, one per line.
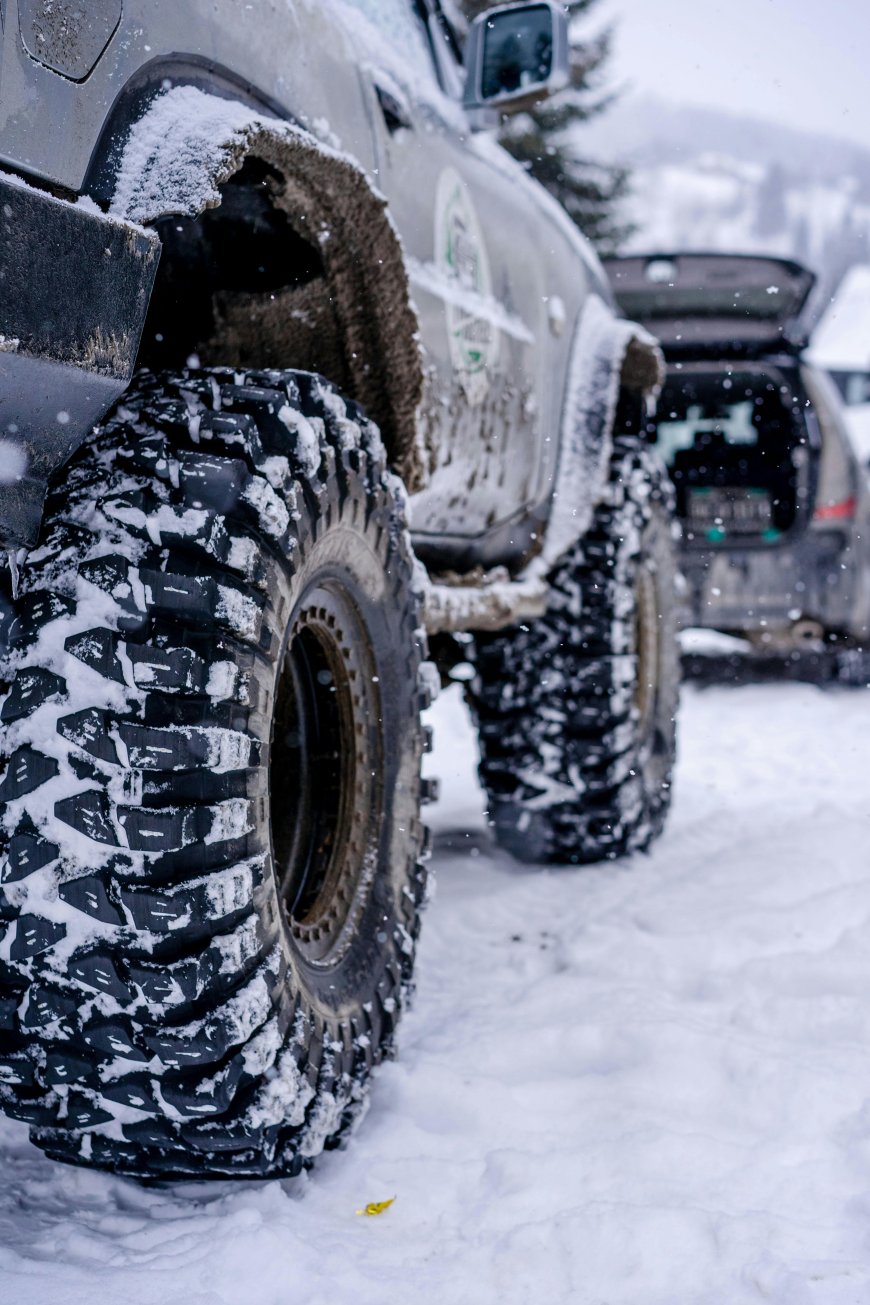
492 434
292 61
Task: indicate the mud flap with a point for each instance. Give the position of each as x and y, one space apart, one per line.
75 291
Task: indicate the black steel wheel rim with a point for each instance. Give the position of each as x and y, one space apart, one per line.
324 773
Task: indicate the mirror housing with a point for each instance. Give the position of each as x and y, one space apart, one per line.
516 55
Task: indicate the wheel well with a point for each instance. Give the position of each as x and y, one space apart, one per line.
238 285
277 252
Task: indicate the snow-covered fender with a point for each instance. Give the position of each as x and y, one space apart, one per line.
609 355
188 143
611 359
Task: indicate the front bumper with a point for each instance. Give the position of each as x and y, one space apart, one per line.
75 291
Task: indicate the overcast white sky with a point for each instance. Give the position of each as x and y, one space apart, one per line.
805 63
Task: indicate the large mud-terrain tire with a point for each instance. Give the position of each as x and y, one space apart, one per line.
212 852
576 711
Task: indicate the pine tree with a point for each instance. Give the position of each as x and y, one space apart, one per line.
771 210
548 142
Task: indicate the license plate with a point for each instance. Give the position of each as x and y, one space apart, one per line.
736 511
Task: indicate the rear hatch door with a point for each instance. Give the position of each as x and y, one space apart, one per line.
698 303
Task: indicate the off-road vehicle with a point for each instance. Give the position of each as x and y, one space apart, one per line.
297 368
774 503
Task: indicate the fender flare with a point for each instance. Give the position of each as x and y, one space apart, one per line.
189 143
608 354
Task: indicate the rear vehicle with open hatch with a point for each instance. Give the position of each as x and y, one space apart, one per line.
773 502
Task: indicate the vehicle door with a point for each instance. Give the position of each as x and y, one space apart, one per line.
467 217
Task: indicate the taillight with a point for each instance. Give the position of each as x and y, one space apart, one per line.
842 511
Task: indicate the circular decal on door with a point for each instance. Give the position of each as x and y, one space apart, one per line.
460 253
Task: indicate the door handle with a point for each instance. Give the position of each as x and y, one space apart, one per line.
394 108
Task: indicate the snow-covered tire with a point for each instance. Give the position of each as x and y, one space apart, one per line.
212 853
576 711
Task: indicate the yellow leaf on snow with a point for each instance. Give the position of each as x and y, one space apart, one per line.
376 1207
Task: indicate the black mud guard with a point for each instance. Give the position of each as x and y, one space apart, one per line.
75 290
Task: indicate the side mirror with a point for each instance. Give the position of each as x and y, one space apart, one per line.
515 56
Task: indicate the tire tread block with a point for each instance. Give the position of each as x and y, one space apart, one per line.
555 703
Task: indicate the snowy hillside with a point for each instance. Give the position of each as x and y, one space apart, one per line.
707 180
716 201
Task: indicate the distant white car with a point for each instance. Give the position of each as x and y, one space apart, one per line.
840 344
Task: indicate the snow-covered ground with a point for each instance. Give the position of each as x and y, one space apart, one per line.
644 1084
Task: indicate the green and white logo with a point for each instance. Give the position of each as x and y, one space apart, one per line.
461 254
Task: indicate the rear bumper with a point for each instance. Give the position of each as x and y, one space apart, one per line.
818 576
75 290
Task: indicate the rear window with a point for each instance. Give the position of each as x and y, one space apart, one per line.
734 444
716 410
